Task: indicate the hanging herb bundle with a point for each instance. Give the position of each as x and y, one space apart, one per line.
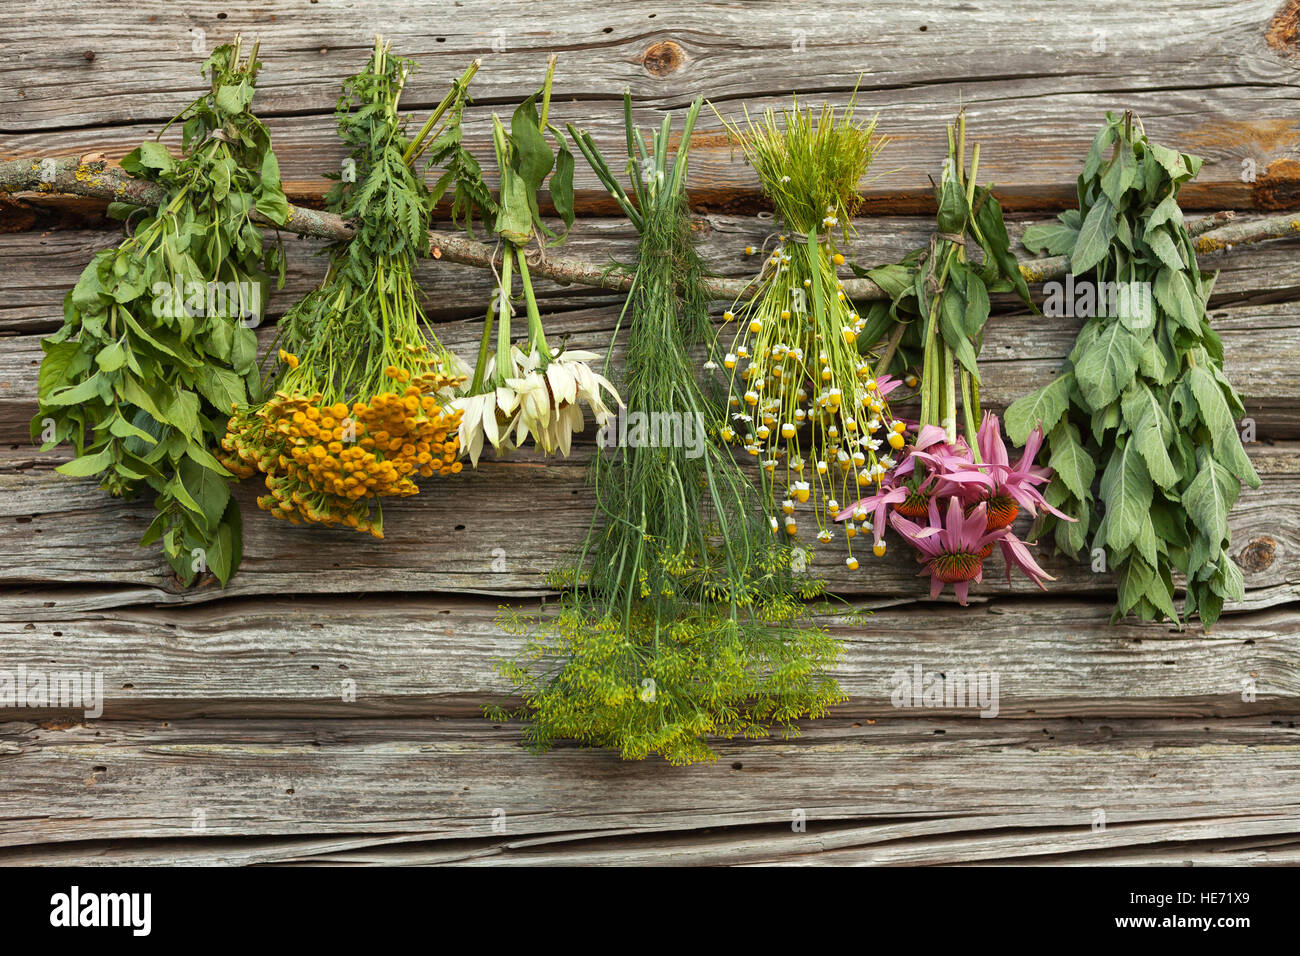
683 618
802 399
156 344
966 211
1143 400
361 394
955 494
535 390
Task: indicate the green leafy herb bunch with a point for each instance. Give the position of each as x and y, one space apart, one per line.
1141 422
157 343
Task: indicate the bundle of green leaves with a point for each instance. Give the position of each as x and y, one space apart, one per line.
157 343
682 617
1142 402
940 288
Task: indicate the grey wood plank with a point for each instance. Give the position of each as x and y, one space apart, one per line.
451 779
62 531
415 655
954 841
1020 353
1035 85
41 267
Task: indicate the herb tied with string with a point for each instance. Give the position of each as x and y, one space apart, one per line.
955 493
360 408
536 390
803 401
157 342
682 617
1143 401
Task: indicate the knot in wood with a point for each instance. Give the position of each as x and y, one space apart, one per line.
663 58
1283 33
1257 555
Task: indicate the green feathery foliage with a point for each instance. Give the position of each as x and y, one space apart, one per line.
157 342
342 333
1143 407
684 618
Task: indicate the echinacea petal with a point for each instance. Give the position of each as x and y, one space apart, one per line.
1015 552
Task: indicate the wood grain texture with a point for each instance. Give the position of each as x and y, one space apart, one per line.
430 655
227 706
40 268
62 531
448 780
1020 353
1255 841
1036 82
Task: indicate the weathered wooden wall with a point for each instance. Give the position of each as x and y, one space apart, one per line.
230 705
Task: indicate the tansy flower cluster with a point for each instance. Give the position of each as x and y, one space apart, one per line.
331 463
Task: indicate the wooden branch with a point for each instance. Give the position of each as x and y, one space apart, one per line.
92 177
1243 233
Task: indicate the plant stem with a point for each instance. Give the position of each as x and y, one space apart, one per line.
503 320
546 89
480 365
966 404
418 145
536 335
950 396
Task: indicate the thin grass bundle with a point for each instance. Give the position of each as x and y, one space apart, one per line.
682 617
803 401
361 392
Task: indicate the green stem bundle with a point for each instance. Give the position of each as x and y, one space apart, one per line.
682 618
